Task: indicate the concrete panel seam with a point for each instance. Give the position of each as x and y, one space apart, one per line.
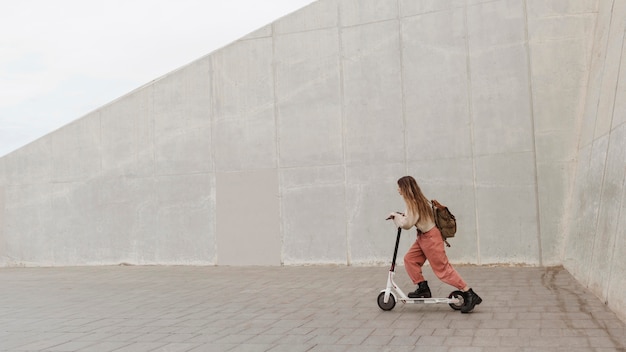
435 11
100 137
569 201
597 213
368 23
606 155
619 69
343 134
308 167
402 91
212 119
608 36
468 64
617 81
153 130
281 228
299 32
532 126
619 216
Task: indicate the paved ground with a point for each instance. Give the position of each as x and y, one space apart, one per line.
328 308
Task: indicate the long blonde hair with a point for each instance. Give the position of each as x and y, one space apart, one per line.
415 200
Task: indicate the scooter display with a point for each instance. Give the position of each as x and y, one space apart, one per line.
392 293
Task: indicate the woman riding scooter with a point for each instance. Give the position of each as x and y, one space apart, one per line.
428 246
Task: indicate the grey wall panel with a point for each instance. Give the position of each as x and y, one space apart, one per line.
617 270
308 95
506 205
587 202
32 166
74 239
619 112
501 105
127 135
555 8
248 218
593 195
3 239
357 12
559 83
246 143
318 15
313 215
371 194
599 47
493 24
616 36
244 121
412 7
27 218
125 223
501 111
76 150
555 183
578 240
372 93
611 195
451 182
592 251
435 82
184 219
182 120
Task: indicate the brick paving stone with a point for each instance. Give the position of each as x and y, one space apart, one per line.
213 347
140 347
106 346
403 341
351 339
291 348
71 346
177 347
307 308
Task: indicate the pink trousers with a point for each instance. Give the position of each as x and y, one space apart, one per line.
429 246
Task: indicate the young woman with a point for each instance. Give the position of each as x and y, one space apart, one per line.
429 245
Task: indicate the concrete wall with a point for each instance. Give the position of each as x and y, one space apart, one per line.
284 147
126 183
596 241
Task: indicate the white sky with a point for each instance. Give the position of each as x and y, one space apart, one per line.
61 59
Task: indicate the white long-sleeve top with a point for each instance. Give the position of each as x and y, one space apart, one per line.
409 220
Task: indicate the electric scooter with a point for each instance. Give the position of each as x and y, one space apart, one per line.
389 296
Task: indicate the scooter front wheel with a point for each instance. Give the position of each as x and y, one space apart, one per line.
391 302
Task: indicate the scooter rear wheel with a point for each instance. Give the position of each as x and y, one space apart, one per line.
391 302
458 295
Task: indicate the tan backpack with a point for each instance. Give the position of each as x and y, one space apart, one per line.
445 220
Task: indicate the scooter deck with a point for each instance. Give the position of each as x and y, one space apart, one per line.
429 300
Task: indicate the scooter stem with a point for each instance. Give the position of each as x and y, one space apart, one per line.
395 251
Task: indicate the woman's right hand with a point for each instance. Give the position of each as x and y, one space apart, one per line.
393 215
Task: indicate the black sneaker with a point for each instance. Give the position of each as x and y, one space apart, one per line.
422 291
471 300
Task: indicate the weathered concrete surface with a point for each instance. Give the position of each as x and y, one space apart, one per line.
511 112
596 241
